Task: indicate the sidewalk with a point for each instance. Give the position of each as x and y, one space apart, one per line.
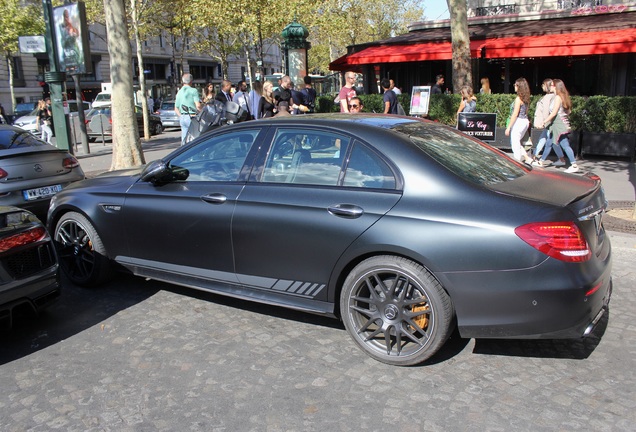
100 157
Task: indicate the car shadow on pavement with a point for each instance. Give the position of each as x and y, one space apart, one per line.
76 310
575 349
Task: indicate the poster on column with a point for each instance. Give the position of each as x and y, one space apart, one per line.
71 39
420 97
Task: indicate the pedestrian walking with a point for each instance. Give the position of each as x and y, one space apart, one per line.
187 103
541 113
44 122
519 122
558 121
390 98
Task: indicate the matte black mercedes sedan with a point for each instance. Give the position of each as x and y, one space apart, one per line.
401 227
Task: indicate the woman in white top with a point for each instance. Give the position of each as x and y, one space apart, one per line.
519 120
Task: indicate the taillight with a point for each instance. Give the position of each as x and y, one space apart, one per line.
70 162
3 174
21 239
561 240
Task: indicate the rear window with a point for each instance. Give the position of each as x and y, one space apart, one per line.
25 106
102 97
10 139
167 106
469 158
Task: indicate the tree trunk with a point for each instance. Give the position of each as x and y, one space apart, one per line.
462 74
140 63
127 150
10 70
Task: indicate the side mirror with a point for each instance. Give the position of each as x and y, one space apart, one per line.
159 173
156 172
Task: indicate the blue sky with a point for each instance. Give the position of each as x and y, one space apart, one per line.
436 9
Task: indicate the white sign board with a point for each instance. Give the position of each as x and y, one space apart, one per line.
32 44
419 100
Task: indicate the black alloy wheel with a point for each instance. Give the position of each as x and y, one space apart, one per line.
395 310
80 250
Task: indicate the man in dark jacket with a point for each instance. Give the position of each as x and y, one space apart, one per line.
309 92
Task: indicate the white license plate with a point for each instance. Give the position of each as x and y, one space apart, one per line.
42 192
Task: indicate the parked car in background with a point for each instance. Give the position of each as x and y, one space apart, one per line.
32 171
102 99
29 122
99 120
167 115
401 227
29 276
24 108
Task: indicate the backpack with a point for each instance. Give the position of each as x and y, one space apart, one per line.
542 111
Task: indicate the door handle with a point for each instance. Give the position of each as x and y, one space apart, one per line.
348 211
214 198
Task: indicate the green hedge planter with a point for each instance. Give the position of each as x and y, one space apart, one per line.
601 125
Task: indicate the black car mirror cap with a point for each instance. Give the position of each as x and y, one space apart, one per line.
155 172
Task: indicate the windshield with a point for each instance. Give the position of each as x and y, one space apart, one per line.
469 158
102 97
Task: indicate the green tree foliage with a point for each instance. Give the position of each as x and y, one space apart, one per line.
17 19
336 24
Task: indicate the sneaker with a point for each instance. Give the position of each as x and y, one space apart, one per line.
573 168
558 163
538 163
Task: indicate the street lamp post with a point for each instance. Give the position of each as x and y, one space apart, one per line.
295 50
56 80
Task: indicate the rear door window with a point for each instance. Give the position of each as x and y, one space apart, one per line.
305 156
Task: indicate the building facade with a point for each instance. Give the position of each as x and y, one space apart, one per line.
165 59
589 44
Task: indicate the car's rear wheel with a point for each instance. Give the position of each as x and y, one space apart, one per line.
157 129
395 310
81 253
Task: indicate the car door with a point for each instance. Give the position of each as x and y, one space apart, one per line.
296 217
183 228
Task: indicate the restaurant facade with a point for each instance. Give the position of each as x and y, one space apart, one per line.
592 48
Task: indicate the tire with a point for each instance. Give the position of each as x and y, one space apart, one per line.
157 129
80 251
401 323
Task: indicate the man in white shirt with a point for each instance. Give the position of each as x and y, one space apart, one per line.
395 90
241 97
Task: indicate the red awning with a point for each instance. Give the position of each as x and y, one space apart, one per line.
567 44
408 53
341 64
570 44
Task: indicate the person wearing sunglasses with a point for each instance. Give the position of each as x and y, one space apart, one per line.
355 105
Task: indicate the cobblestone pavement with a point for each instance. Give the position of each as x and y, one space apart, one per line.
139 355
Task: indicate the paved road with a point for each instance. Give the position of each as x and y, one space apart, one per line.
139 355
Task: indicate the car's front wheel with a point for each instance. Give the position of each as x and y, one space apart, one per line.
158 128
395 310
81 253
